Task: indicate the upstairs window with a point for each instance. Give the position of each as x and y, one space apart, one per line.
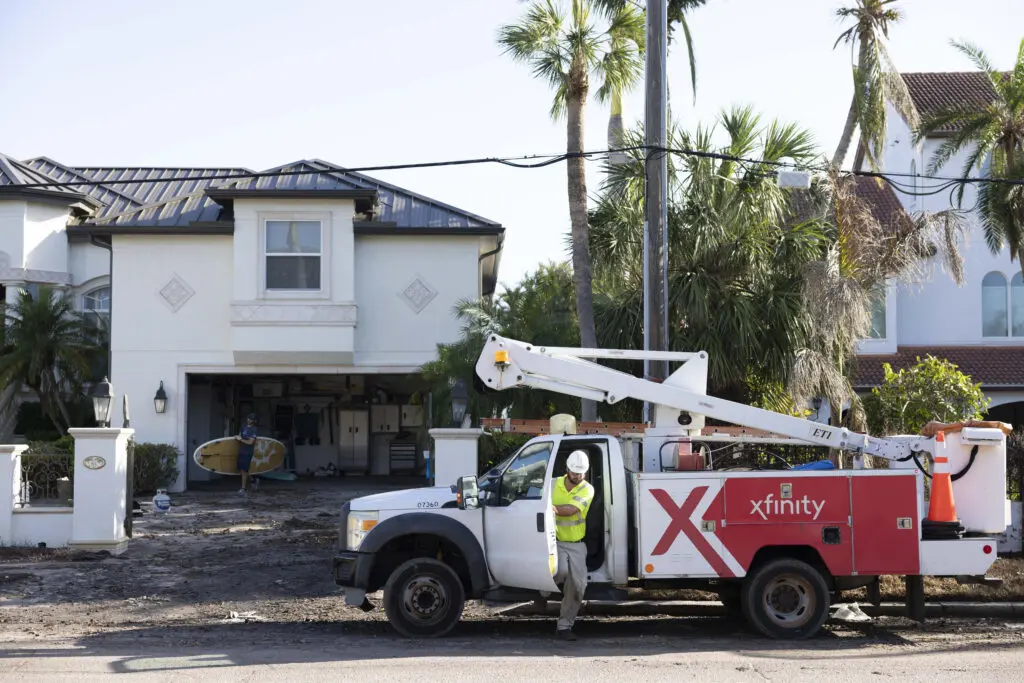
877 313
995 305
97 301
1017 305
294 253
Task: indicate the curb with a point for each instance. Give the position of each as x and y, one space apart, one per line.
710 608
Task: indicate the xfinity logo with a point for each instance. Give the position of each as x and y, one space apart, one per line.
770 505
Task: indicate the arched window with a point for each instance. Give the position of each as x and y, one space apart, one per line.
97 301
878 330
1017 305
994 314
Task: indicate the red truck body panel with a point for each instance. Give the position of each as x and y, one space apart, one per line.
713 524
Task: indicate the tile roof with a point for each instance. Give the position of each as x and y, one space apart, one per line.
885 205
992 366
932 91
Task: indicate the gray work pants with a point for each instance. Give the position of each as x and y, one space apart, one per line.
572 568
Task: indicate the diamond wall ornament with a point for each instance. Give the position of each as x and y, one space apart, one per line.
417 294
176 292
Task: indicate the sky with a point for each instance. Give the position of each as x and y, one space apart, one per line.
260 83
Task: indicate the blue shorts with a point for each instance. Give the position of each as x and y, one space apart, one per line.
244 460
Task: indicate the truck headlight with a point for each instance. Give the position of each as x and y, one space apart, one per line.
359 524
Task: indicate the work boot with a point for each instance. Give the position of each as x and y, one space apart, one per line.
565 634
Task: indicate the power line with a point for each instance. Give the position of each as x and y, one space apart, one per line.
520 162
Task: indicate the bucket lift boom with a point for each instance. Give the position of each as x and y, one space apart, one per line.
680 402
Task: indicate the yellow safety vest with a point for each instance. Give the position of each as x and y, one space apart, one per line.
574 527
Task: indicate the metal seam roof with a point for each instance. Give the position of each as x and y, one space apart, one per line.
14 173
174 199
112 200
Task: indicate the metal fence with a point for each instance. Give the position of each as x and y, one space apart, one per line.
47 479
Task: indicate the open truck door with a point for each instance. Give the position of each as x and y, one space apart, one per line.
519 523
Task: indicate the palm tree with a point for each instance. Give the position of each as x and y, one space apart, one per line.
47 348
676 14
875 78
996 132
567 51
864 252
735 263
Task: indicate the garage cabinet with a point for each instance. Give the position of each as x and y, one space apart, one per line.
354 441
385 419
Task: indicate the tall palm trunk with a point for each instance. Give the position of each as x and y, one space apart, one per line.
47 405
844 141
59 400
577 186
615 131
851 117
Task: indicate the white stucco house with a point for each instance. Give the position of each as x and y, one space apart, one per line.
980 325
306 293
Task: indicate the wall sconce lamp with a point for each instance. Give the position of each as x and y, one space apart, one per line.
160 400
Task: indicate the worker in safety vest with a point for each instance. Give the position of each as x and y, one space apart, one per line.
571 500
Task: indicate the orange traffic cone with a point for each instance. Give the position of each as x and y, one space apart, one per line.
942 521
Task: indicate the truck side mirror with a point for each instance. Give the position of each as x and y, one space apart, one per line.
467 494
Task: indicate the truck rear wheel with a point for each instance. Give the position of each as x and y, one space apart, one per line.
423 598
786 599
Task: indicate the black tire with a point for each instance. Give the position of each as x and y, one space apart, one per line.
423 598
786 599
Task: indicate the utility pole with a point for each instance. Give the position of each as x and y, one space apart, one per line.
656 192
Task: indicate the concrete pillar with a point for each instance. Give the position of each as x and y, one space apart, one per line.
455 454
10 485
101 489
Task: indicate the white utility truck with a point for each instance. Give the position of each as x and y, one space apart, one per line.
775 544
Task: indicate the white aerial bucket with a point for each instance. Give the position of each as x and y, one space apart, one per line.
980 494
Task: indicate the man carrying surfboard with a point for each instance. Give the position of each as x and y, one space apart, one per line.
245 450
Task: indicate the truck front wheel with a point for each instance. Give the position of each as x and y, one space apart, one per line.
423 598
786 599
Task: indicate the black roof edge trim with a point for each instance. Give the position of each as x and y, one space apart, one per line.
369 229
228 193
211 228
44 194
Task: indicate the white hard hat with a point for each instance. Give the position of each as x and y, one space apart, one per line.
578 462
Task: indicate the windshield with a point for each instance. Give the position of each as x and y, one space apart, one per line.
495 472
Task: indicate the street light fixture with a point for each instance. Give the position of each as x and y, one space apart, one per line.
102 398
460 399
160 400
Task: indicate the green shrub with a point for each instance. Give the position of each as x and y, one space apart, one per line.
933 389
156 466
42 436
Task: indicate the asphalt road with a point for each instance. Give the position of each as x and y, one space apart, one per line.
393 662
699 649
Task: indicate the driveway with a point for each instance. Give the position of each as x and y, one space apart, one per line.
228 588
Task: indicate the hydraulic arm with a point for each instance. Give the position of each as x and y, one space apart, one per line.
508 363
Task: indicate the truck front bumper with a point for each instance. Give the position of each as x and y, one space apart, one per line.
351 571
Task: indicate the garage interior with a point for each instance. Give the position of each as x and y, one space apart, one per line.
347 425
